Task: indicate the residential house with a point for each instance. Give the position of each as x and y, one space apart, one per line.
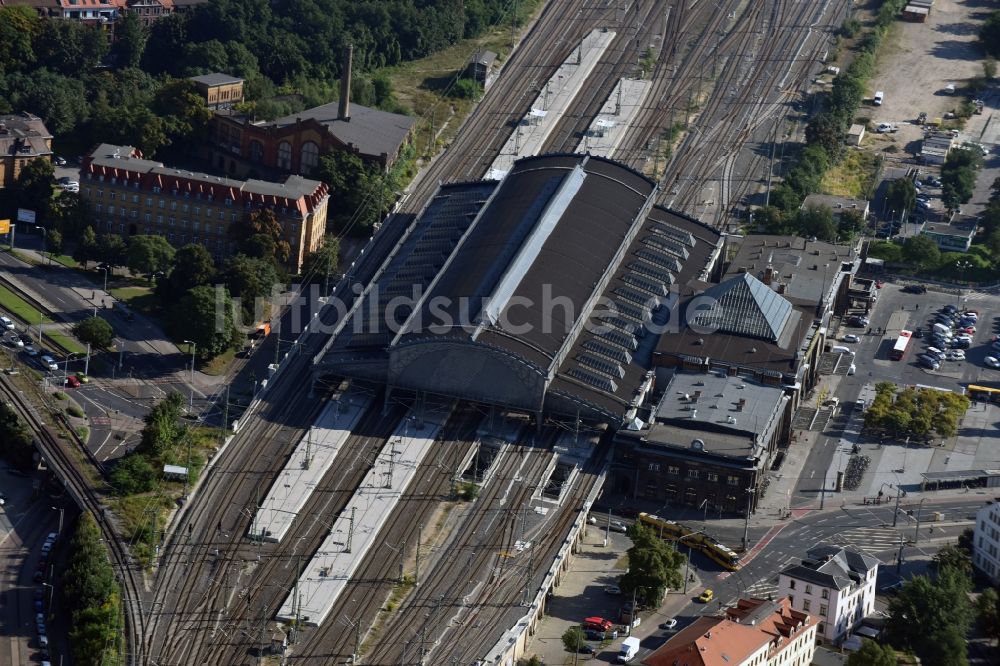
835 584
986 540
23 139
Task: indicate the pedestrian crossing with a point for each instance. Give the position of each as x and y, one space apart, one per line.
869 539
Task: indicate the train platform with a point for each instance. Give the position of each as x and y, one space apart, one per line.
615 119
356 529
307 465
555 97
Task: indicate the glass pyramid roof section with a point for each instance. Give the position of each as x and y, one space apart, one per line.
744 305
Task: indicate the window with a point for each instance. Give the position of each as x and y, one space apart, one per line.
149 201
693 474
310 157
234 217
791 584
100 194
135 198
711 476
673 470
733 480
805 605
112 195
111 210
159 219
284 155
197 211
222 215
809 589
184 208
654 467
147 218
156 189
822 609
173 205
256 151
825 594
98 207
171 220
161 203
134 214
229 202
218 229
208 213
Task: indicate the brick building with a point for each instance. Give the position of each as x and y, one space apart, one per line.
220 91
707 440
23 138
134 196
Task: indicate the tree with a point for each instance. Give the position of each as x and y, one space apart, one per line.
130 40
192 267
817 221
149 255
91 594
86 248
988 613
922 251
111 249
261 222
162 427
54 241
900 195
951 557
852 221
132 475
573 639
932 617
466 88
205 316
653 567
989 67
19 27
33 188
872 654
183 112
321 265
95 331
989 34
18 444
824 130
251 280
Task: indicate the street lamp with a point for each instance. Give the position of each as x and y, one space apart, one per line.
916 531
194 347
687 565
895 513
962 265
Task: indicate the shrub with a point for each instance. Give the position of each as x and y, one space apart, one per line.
133 474
74 410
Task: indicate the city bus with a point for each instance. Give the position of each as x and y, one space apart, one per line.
983 393
902 342
712 549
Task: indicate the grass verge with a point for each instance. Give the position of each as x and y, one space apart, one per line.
66 343
20 308
65 260
853 177
218 365
141 299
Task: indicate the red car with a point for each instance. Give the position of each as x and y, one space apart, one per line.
879 284
971 330
73 381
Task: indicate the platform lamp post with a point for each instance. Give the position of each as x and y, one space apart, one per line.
916 531
105 269
962 265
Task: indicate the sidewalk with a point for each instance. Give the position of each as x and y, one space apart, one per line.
581 594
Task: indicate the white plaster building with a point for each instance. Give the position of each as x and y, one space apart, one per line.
835 584
986 540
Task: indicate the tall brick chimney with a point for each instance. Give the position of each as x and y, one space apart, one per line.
345 84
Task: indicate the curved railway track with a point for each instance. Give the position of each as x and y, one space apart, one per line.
56 453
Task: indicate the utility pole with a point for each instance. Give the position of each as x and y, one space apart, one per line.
263 628
277 338
895 514
297 600
225 414
416 565
899 556
350 532
309 440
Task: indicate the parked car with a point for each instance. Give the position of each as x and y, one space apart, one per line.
30 350
60 161
618 526
612 589
960 344
6 323
992 361
919 333
669 624
12 339
915 289
928 361
885 128
955 355
851 337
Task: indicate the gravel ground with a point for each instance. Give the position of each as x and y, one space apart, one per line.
918 61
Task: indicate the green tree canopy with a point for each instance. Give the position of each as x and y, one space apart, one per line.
872 654
149 255
817 221
261 233
86 249
900 196
111 249
130 40
932 617
323 263
654 566
94 331
205 316
251 280
989 34
133 474
192 266
163 427
33 188
921 251
573 639
988 613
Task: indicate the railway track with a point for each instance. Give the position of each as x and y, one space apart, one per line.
56 453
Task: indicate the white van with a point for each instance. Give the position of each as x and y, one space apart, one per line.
879 96
945 331
630 648
840 349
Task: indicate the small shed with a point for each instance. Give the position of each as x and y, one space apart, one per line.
175 472
915 14
481 67
855 135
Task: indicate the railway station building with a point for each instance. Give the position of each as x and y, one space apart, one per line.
705 443
542 293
